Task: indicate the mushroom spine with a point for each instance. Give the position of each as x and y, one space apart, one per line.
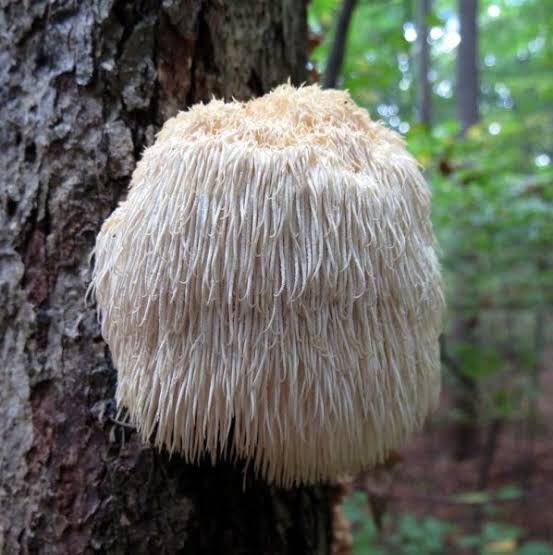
270 289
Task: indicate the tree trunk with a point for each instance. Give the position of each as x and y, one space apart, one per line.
85 87
467 65
467 394
338 50
423 54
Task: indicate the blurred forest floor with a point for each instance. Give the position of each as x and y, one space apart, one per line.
425 498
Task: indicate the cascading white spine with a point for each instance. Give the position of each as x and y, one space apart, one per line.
273 272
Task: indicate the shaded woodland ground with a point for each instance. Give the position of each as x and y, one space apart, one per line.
446 496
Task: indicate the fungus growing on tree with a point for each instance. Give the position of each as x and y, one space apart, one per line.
269 289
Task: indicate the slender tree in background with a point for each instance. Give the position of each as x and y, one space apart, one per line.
467 65
424 91
336 56
85 86
465 328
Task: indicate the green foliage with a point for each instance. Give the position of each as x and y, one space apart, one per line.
535 548
365 535
505 493
492 213
407 534
419 536
493 190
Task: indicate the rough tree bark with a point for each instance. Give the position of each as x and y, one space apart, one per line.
84 87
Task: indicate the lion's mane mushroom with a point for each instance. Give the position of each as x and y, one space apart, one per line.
270 290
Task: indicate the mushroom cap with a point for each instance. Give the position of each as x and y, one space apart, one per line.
270 290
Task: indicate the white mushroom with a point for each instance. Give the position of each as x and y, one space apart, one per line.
270 290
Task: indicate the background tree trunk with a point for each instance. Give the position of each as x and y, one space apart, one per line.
467 64
424 91
338 49
85 85
465 328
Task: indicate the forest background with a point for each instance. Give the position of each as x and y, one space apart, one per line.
470 86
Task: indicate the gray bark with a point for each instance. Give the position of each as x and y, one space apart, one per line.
423 58
467 65
84 87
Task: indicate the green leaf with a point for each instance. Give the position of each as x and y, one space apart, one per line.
472 497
